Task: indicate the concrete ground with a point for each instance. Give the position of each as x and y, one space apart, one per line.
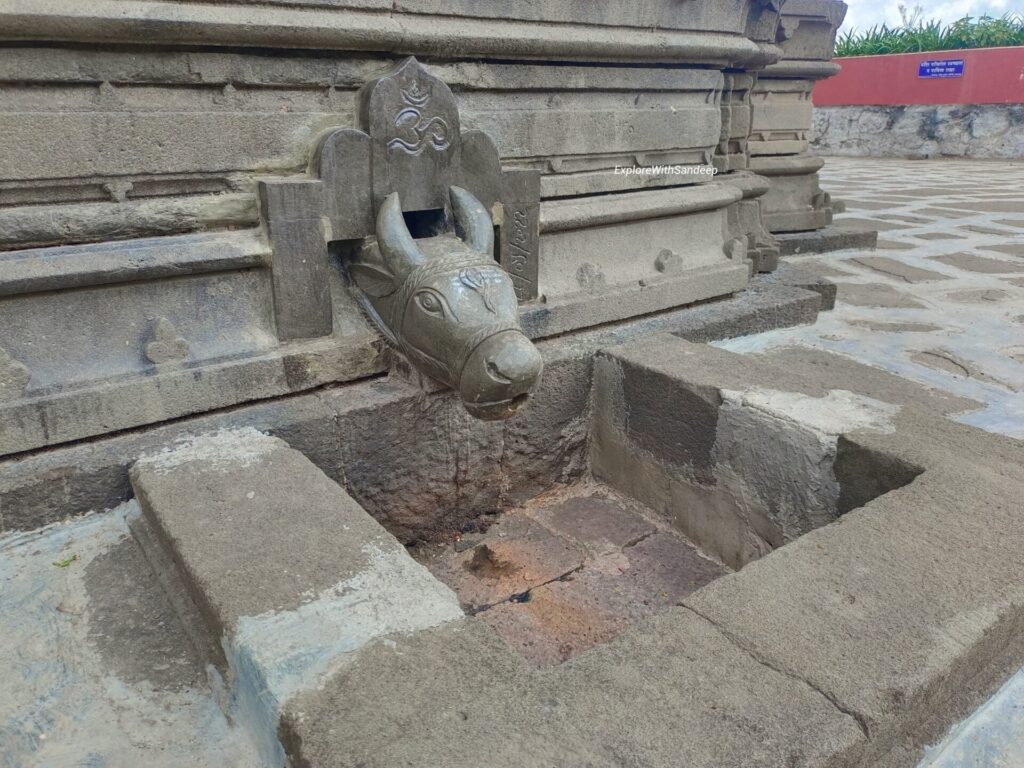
941 302
98 672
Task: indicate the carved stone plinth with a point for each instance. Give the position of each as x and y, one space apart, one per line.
749 236
782 116
194 176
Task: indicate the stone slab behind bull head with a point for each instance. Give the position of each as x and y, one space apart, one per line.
437 293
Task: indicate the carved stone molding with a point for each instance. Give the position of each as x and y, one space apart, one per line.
718 40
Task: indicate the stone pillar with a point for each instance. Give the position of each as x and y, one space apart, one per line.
782 114
732 156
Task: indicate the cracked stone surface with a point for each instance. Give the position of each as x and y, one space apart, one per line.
570 569
949 362
897 269
939 302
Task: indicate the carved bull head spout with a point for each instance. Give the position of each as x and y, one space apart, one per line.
447 305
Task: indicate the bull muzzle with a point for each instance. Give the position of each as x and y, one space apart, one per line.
500 375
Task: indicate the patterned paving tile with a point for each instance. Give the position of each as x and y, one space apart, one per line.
941 301
984 264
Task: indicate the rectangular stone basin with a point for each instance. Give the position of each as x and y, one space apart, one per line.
672 552
621 489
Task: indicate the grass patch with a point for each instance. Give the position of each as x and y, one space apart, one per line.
916 35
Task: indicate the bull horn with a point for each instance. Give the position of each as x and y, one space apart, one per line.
472 222
396 244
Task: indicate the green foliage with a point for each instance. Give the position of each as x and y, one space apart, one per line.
911 16
917 35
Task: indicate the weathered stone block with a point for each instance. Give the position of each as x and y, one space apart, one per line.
583 711
891 668
795 201
289 574
292 211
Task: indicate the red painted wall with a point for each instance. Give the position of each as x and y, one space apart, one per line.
991 76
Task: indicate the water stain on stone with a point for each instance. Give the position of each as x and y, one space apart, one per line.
1015 353
821 269
977 296
979 264
133 626
1012 249
942 360
894 245
895 327
489 564
876 295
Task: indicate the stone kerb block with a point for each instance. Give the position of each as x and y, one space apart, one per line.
287 575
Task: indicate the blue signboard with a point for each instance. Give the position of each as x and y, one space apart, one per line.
941 68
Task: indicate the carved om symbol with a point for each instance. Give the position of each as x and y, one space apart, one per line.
417 132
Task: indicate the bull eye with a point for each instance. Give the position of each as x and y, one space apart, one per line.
429 303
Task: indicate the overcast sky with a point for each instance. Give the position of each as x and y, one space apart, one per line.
866 13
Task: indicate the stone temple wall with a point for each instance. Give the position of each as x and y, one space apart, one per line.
138 280
782 115
983 131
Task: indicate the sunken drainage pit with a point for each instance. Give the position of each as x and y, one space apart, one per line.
620 491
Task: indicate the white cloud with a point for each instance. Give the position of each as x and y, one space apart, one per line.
868 13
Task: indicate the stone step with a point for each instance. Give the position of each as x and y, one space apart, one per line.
283 572
835 237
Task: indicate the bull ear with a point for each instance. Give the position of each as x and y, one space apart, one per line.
472 222
373 280
396 244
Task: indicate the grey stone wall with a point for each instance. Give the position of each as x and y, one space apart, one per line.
994 131
141 282
781 114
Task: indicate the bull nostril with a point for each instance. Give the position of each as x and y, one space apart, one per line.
495 373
